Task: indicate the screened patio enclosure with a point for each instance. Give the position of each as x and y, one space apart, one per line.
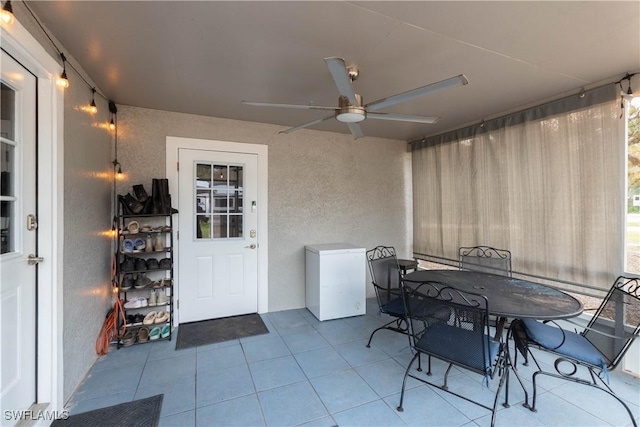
547 183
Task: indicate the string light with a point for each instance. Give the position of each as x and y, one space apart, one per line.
7 13
93 109
112 125
63 81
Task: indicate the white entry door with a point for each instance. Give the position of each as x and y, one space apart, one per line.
18 239
218 271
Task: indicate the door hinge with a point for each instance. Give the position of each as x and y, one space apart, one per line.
178 166
178 235
32 222
178 304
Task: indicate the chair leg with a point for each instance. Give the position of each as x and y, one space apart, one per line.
583 382
503 378
397 328
404 381
446 377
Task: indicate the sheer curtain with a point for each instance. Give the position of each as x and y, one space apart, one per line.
545 183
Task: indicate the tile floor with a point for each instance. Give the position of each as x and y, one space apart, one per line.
306 372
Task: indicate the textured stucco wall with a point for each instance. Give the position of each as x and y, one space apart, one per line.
87 215
88 187
323 187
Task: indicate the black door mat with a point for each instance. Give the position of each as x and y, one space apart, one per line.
217 330
139 413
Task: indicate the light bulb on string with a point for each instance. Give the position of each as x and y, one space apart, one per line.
7 13
93 109
63 81
112 125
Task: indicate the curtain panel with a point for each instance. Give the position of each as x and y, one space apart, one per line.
546 183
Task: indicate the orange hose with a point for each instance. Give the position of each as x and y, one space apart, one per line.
109 328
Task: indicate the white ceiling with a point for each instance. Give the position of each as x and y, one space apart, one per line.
204 57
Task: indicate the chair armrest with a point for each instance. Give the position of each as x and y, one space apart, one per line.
585 328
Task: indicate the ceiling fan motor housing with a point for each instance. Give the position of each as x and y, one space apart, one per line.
348 113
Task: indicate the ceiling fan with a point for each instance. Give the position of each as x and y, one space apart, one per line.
350 109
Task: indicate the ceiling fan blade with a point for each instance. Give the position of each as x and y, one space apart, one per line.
415 93
308 124
402 117
298 106
356 130
340 74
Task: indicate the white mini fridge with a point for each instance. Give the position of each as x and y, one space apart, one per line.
335 280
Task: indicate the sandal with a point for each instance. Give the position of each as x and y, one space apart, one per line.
150 318
128 338
165 331
133 227
143 334
162 317
154 334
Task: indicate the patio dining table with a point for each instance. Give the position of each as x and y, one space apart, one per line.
508 297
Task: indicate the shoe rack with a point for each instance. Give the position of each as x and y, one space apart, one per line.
144 269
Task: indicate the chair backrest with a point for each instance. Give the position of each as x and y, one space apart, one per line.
485 259
616 323
451 325
385 273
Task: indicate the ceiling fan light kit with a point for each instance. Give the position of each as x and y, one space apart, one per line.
350 108
347 113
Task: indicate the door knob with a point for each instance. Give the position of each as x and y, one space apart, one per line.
251 246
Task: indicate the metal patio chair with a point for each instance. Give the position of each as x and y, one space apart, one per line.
485 259
386 280
588 356
463 340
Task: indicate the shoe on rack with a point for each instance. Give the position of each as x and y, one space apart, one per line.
165 264
153 299
150 318
162 298
128 338
141 264
128 265
136 302
162 317
164 332
133 227
152 264
131 319
146 228
139 244
142 281
143 335
158 245
127 246
131 204
127 282
140 193
138 319
154 334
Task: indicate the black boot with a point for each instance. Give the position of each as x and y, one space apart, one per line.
130 205
161 197
140 193
143 197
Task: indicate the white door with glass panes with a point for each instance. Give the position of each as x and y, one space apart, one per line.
17 239
218 274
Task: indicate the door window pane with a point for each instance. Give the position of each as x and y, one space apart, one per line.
7 170
7 111
219 201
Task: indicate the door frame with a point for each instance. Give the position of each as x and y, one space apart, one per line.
173 144
20 44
